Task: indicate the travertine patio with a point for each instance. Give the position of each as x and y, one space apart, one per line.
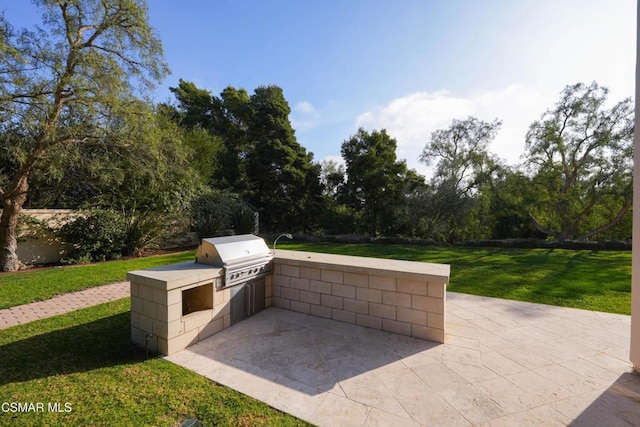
505 363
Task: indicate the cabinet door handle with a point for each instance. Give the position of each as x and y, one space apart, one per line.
247 300
253 295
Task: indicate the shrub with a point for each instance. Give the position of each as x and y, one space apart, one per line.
143 229
221 212
98 236
243 219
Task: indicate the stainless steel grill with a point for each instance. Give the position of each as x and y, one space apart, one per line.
244 257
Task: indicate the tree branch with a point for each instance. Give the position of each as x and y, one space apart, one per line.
118 54
30 95
541 227
611 224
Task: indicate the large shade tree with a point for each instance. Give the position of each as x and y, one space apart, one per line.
201 114
158 174
227 119
75 80
283 182
580 157
259 158
463 165
461 153
234 112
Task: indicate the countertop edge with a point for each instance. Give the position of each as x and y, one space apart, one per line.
355 264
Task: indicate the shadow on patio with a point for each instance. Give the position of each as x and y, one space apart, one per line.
305 353
617 405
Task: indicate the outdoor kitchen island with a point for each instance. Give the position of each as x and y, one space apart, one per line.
177 305
174 306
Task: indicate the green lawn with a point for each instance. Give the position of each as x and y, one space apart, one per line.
85 360
36 285
591 280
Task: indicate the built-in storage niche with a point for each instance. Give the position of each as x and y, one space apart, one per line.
198 298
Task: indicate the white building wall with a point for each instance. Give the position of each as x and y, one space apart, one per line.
635 280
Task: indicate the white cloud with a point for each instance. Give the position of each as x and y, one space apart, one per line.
411 119
304 116
304 107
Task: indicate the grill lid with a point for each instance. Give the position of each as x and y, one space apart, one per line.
229 250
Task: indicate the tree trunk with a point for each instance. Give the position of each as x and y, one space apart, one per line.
9 225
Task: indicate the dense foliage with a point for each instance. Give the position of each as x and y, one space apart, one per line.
99 236
74 81
375 180
575 184
260 159
77 133
220 212
239 156
581 163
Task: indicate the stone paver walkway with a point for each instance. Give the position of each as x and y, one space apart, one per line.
61 304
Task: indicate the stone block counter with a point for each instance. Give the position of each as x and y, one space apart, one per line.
177 305
403 297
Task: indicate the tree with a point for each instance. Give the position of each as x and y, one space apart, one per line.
148 185
195 106
510 193
233 118
335 216
412 216
580 158
332 177
159 173
226 119
259 157
283 182
374 183
462 153
464 165
75 83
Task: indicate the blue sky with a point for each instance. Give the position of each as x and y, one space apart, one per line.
410 66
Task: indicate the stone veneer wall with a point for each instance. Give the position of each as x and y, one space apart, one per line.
402 297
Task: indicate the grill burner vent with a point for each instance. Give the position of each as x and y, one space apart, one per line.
244 257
